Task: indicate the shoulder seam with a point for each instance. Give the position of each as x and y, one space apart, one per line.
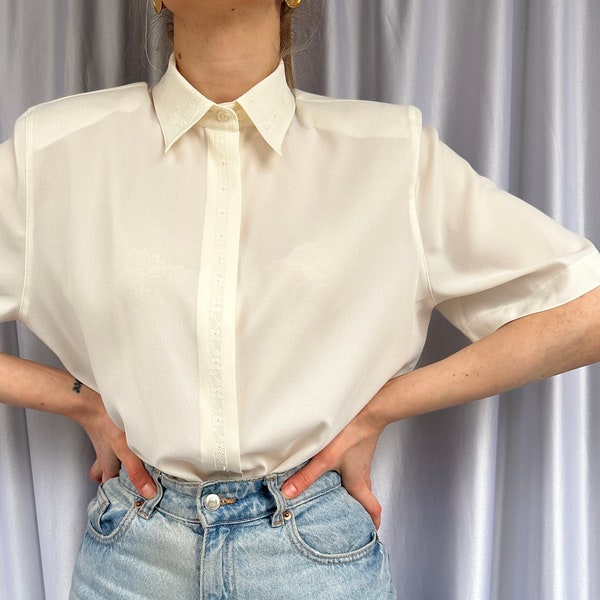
140 84
57 101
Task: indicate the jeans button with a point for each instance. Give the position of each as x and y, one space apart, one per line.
212 502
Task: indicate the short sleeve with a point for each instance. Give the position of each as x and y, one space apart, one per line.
12 223
490 257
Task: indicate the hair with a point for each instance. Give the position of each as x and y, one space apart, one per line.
286 38
286 42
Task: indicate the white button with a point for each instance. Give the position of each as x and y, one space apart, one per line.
222 116
241 115
212 502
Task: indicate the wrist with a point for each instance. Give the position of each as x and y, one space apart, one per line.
85 405
378 413
395 401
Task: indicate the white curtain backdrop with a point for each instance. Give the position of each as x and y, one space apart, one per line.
496 500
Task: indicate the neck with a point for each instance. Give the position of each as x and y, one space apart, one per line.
225 47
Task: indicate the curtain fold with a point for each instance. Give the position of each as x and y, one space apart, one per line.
497 500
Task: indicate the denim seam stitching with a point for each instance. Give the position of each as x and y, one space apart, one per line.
321 557
303 501
167 513
119 530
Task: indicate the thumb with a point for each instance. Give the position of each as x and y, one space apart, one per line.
304 478
138 475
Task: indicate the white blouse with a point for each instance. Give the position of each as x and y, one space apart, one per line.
239 280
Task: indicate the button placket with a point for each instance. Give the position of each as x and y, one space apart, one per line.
217 300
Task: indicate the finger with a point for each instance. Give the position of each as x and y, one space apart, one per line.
95 472
112 466
138 475
305 477
369 502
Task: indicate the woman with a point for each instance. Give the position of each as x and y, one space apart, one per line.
295 277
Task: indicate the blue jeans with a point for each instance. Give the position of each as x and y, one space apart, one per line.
238 540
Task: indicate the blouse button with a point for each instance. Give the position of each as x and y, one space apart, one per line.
222 116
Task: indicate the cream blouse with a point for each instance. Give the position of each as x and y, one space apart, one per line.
239 280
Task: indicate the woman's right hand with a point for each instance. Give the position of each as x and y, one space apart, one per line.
26 384
110 445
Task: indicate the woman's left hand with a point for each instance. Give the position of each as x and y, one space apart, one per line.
527 349
350 453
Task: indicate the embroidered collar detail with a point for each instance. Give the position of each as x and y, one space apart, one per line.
269 106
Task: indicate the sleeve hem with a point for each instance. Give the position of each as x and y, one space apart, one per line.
417 119
571 283
25 191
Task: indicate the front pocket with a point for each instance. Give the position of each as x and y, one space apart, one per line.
333 527
108 515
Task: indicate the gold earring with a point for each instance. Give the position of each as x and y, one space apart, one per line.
293 3
158 6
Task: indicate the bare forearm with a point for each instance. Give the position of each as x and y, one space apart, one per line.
526 350
31 385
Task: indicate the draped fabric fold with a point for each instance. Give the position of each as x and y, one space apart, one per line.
496 500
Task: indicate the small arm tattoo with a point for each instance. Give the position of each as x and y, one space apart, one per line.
77 386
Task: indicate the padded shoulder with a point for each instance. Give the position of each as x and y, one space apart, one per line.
358 118
60 118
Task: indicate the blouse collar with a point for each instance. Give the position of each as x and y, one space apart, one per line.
270 106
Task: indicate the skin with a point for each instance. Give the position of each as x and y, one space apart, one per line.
26 384
224 47
526 350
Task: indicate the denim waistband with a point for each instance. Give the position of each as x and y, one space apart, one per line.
213 503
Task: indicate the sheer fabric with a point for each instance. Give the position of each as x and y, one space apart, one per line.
495 500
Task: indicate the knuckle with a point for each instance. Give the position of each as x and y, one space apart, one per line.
121 447
303 480
138 475
325 459
135 475
128 458
364 487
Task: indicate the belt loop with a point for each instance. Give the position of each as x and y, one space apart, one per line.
146 507
280 501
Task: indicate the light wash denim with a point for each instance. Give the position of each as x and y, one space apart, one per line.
234 540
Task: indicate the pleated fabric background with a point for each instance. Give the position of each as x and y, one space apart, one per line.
497 500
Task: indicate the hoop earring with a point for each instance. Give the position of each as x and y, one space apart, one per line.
293 3
158 6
